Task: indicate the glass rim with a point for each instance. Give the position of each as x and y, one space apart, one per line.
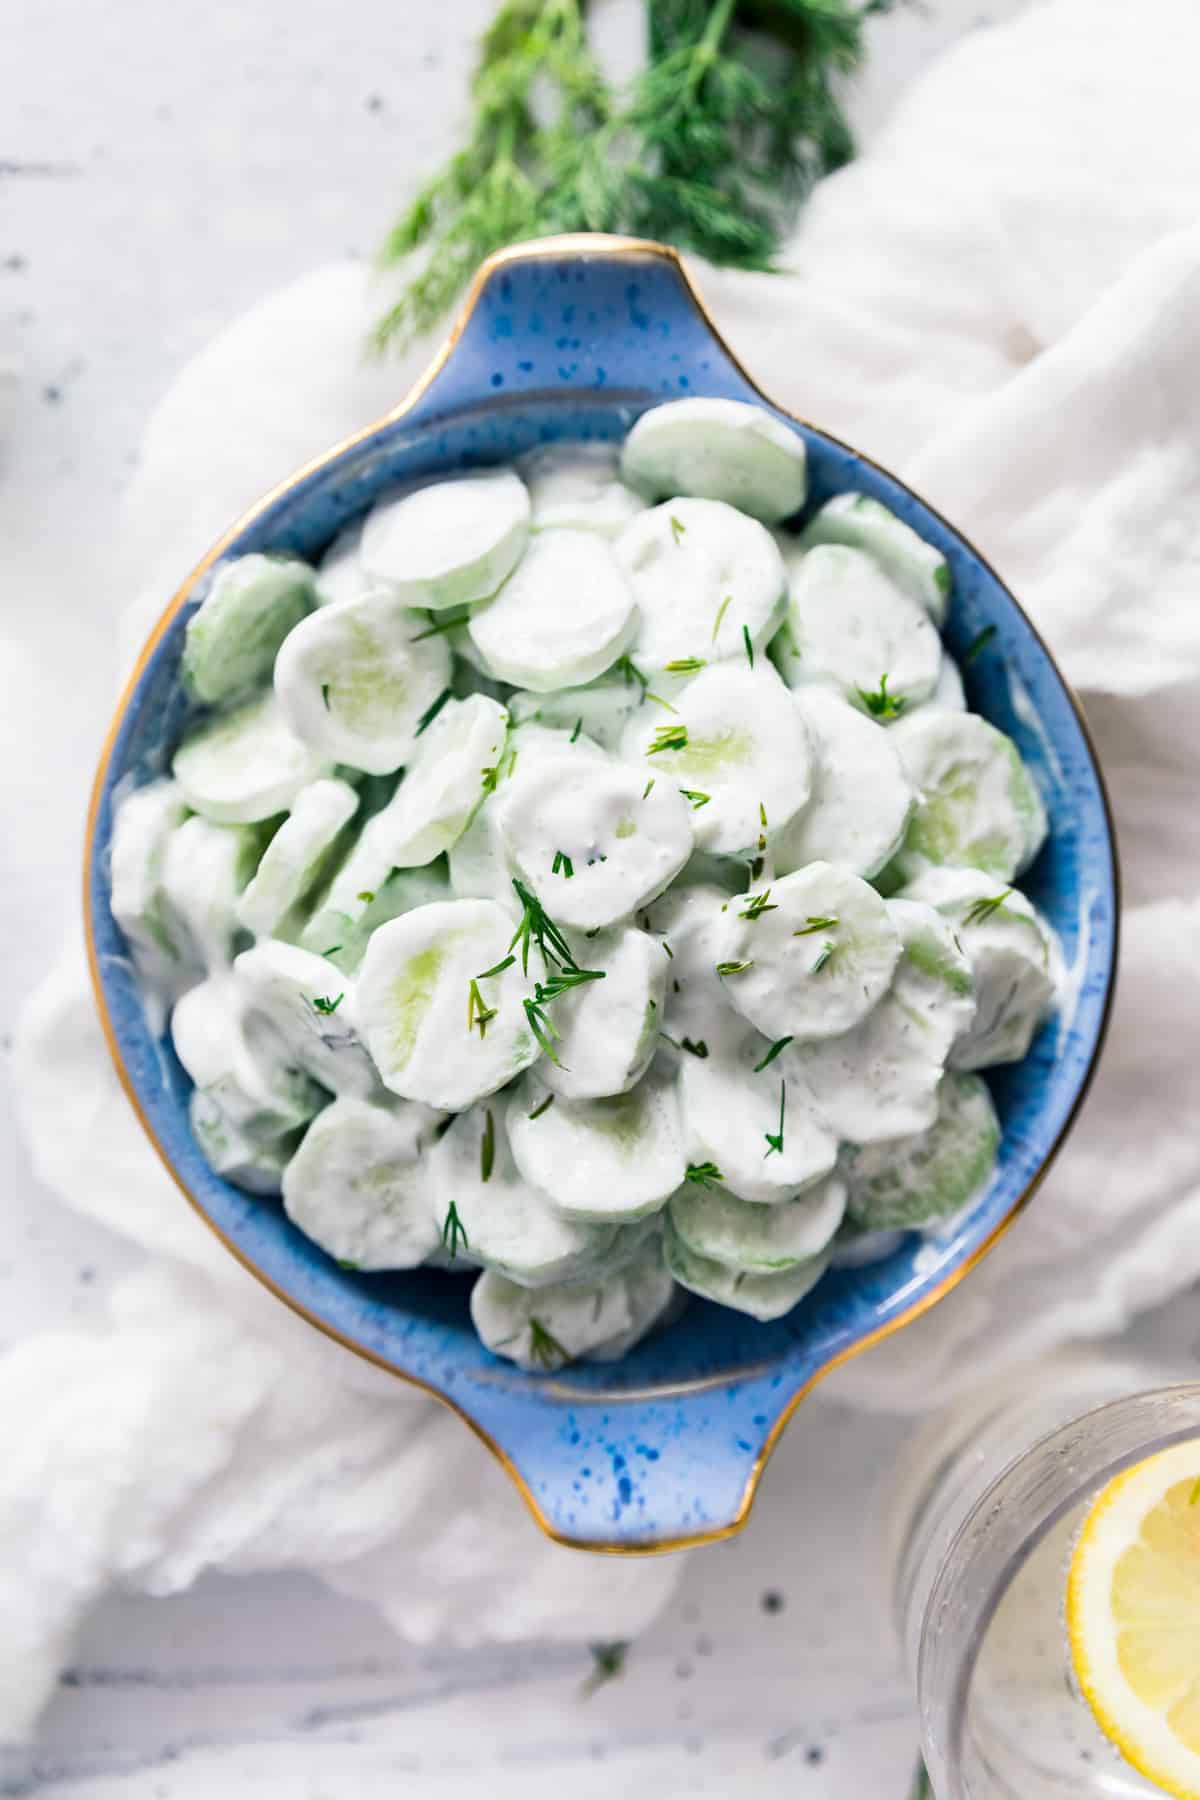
1105 1440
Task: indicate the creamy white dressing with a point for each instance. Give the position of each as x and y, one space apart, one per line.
570 974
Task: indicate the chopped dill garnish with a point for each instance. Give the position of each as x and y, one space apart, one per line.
703 1174
659 701
366 896
746 639
733 968
775 1138
646 789
696 797
537 927
431 712
779 1044
332 950
879 703
577 730
608 1662
452 1230
487 1147
562 865
684 665
544 1349
347 1262
668 737
696 1046
983 909
323 1004
447 622
816 922
759 904
668 949
541 1107
496 968
629 672
823 957
726 603
540 1023
678 528
978 643
325 695
479 1013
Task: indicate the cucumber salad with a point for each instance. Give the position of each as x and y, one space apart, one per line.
583 880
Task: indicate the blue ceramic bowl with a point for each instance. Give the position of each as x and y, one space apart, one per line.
573 338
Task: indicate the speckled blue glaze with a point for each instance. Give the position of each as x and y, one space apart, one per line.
575 343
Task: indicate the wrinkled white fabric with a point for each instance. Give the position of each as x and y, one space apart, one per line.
999 301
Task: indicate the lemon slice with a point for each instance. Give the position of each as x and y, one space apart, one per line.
1133 1616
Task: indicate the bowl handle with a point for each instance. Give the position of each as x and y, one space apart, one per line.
566 313
613 1468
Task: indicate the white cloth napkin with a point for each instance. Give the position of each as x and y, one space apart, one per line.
1002 302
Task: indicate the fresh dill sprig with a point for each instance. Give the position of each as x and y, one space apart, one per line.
879 703
733 968
775 1138
696 797
983 909
668 737
749 643
726 603
816 922
562 865
453 1230
479 1013
545 1032
779 1044
431 712
545 1350
326 1005
979 643
759 904
487 1147
537 927
684 665
711 147
704 1174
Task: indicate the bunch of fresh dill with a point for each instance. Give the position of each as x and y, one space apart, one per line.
736 113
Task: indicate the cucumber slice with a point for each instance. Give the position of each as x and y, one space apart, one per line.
718 450
881 1079
357 680
360 1185
977 803
761 1240
850 627
305 1000
233 636
246 765
763 1296
428 1036
1014 959
593 838
340 574
240 1065
913 1181
564 614
600 711
143 822
578 487
736 748
342 936
867 525
456 763
257 1168
508 1225
479 866
205 869
594 1321
610 1160
808 956
450 543
704 577
757 1128
608 1030
861 799
293 860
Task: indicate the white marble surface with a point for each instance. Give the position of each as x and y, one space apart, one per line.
161 167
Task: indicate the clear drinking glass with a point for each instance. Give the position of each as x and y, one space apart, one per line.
982 1513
